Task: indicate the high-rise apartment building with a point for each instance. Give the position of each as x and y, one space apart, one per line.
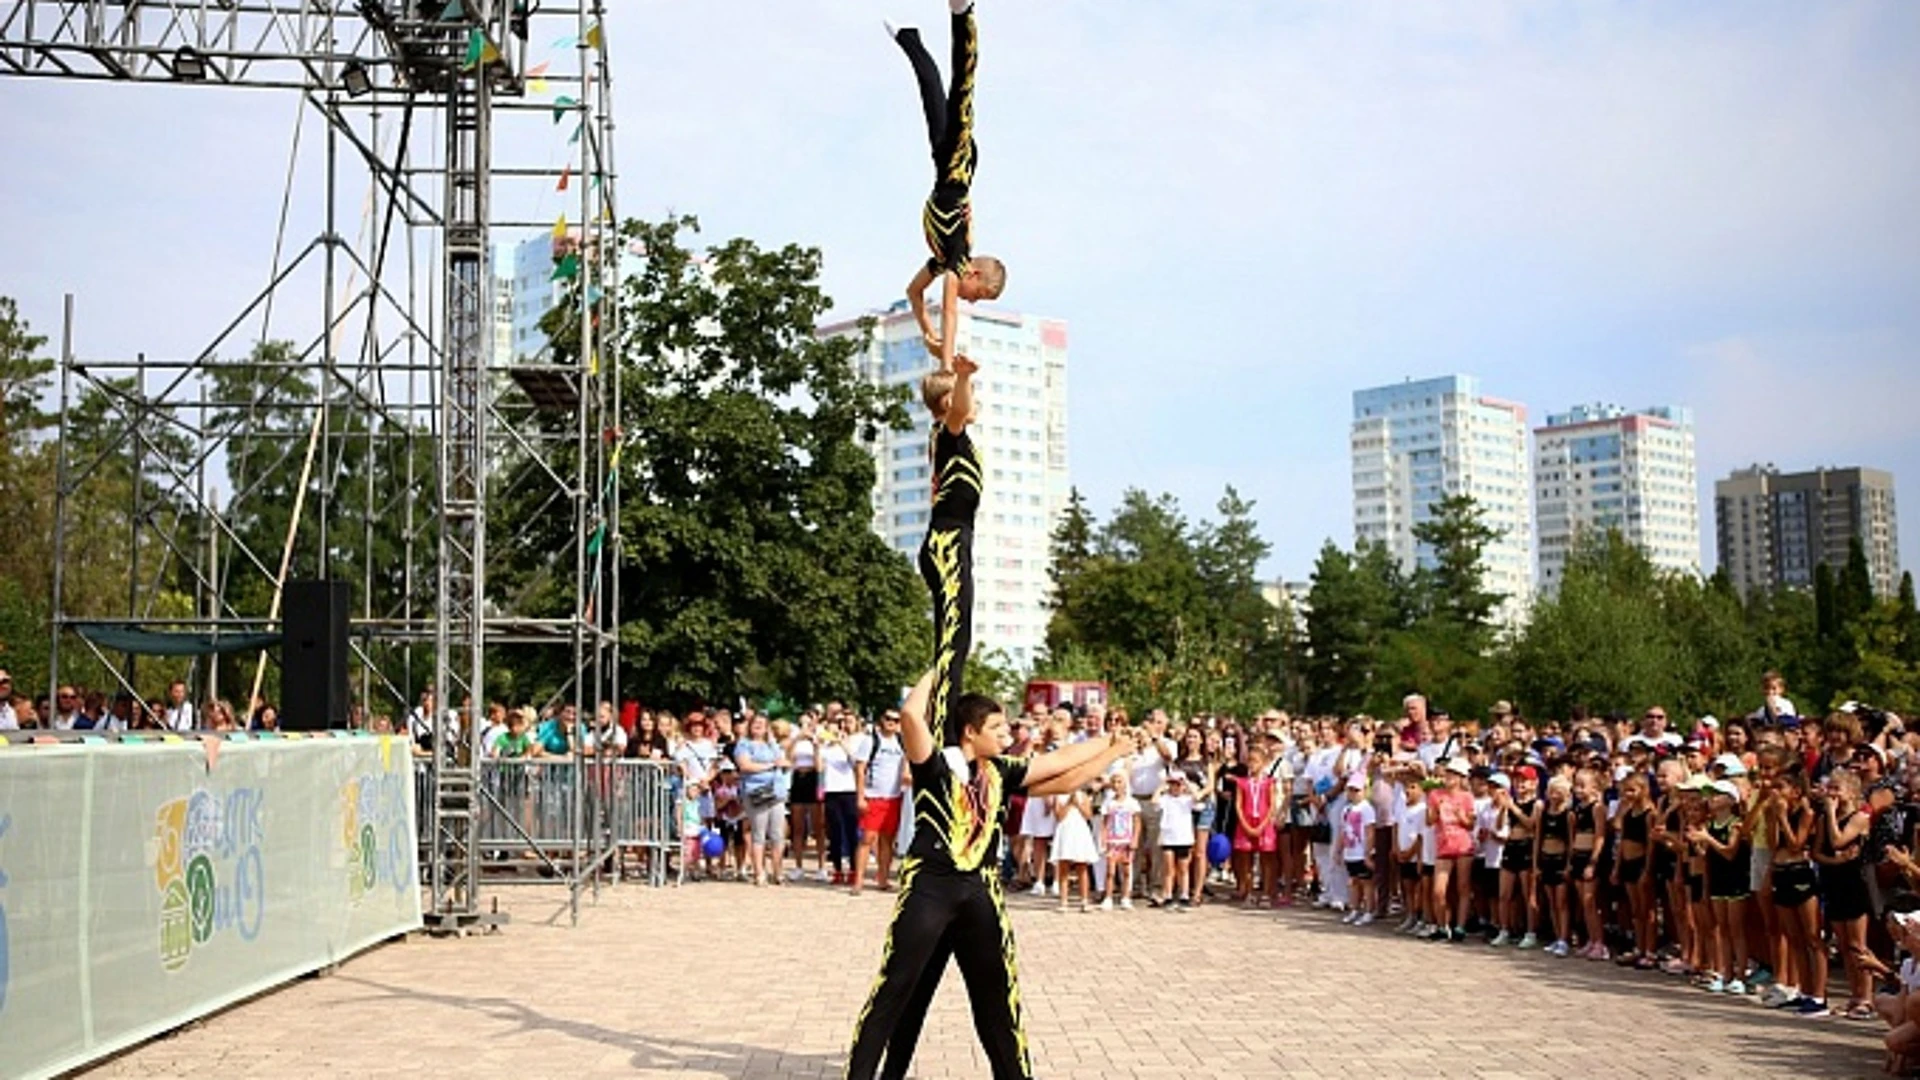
533 292
1415 443
1599 467
1021 431
1774 529
502 319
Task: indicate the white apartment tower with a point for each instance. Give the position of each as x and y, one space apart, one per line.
1600 467
1415 443
1022 435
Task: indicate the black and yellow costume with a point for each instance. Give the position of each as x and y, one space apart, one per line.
948 217
950 904
946 565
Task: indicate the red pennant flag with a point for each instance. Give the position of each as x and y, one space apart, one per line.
566 175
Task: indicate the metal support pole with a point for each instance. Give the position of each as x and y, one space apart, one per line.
60 468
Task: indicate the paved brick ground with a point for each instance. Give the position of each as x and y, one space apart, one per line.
723 980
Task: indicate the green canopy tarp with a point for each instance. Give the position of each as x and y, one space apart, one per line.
132 639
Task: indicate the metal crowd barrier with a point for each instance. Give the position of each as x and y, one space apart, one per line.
527 811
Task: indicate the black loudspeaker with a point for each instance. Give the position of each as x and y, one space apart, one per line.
313 656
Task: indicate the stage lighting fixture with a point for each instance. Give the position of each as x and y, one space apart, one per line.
355 79
189 65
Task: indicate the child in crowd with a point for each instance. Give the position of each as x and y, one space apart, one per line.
1255 836
1176 841
1038 824
1554 833
1120 833
1410 841
1356 849
1723 839
1519 910
1073 847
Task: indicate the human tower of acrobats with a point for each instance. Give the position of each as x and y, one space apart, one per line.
950 903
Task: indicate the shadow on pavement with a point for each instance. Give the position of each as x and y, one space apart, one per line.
690 1056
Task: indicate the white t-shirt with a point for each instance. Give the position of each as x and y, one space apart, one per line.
8 721
1910 974
886 765
1176 820
836 768
802 753
1413 823
1486 816
1147 771
1356 830
180 717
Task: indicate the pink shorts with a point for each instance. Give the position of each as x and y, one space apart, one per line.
1263 842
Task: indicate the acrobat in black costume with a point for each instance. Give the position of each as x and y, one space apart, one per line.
947 218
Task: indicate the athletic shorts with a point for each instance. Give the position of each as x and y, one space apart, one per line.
1178 851
1409 871
1265 843
1793 884
1697 888
1632 870
1486 879
1577 866
1517 856
1553 868
881 817
806 788
1358 870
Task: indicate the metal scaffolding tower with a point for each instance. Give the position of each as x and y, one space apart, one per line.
421 99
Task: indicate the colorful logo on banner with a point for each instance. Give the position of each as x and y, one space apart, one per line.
373 817
208 866
6 822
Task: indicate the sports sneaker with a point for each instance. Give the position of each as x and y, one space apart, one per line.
1350 918
1438 933
1321 901
1599 952
1055 891
1560 949
1406 925
1716 985
1126 903
1778 996
1106 904
1760 976
1812 1007
1365 919
1736 987
1500 939
1459 935
1039 889
1529 941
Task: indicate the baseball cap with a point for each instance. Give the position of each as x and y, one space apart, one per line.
1725 787
1696 782
1458 766
1731 764
1356 782
1502 708
1501 780
1710 722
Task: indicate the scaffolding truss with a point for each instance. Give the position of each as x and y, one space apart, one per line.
395 398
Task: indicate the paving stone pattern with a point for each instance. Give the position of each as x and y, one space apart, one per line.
726 980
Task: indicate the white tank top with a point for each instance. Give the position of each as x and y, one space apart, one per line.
836 768
802 754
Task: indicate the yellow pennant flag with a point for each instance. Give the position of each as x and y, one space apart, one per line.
560 228
593 363
537 85
593 37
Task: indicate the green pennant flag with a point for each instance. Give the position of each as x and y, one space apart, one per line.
561 105
594 541
594 295
480 50
454 11
568 269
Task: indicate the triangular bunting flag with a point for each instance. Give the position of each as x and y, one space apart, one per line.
537 86
566 176
560 228
538 70
453 12
594 38
595 294
480 50
561 105
593 363
578 128
568 269
593 542
567 42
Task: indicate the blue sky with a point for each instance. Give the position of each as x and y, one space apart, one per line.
1246 209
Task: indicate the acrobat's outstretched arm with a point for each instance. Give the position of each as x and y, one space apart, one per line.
941 344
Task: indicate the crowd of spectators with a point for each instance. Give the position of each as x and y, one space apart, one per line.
80 708
1769 857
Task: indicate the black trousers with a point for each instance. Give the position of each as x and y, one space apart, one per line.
946 565
843 826
946 219
937 913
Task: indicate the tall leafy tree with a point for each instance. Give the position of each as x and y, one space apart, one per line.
751 565
1458 535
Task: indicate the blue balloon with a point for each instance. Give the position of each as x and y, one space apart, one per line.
713 845
1219 849
1323 785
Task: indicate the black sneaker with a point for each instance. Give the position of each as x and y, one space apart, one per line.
1438 933
1183 903
1459 935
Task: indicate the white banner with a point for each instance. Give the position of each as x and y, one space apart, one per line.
142 886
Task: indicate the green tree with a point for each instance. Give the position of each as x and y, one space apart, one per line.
1458 536
1907 621
1355 602
750 564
